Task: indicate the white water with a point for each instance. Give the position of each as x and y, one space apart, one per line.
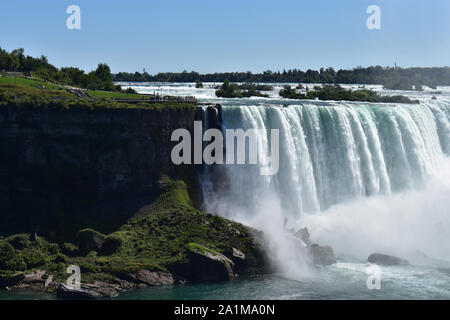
362 177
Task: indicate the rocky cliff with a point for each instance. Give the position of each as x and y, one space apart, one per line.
65 169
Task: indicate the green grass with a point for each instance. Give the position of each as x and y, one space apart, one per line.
16 95
195 247
118 95
18 80
98 94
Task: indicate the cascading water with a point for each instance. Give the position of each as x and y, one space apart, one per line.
332 154
362 177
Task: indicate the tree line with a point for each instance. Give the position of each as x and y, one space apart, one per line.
390 77
102 78
17 61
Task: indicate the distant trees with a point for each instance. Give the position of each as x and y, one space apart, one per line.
232 90
371 75
198 84
337 93
289 93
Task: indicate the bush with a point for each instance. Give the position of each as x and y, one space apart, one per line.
92 254
60 258
69 249
7 253
112 244
198 84
53 248
34 259
20 241
89 239
130 90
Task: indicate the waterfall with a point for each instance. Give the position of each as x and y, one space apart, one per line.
333 153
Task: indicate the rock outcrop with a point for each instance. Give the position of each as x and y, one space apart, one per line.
90 240
64 170
152 279
322 255
303 234
11 280
386 260
65 292
206 265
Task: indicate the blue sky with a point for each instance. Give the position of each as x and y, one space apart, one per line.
229 35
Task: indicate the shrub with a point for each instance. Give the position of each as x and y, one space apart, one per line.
112 244
7 253
60 258
89 239
34 259
20 241
69 249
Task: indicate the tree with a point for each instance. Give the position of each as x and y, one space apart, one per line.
103 72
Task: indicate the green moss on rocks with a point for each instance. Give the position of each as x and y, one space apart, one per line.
89 240
158 238
112 244
30 255
69 249
19 241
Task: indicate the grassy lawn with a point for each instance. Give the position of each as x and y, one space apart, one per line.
110 94
7 79
32 96
18 80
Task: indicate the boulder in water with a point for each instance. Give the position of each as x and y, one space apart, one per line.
11 280
66 292
304 235
386 260
206 265
151 279
322 255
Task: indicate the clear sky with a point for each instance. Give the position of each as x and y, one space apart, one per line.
229 35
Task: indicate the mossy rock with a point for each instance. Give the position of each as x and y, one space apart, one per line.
160 237
10 279
69 249
19 241
112 244
207 265
90 240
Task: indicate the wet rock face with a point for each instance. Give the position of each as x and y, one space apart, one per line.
386 260
90 240
63 170
11 280
151 279
208 266
322 255
303 234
